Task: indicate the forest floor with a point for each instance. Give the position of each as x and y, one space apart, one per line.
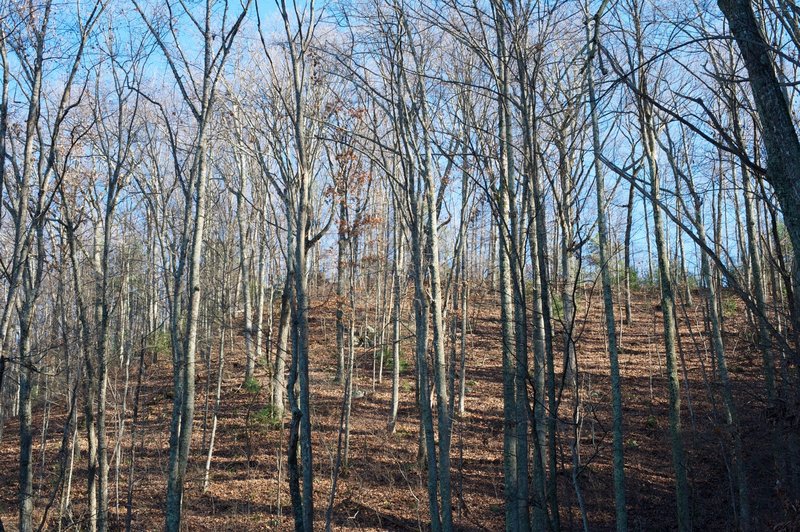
384 488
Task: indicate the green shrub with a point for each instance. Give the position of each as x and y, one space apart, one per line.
403 365
558 307
728 307
251 385
267 418
388 360
161 343
633 279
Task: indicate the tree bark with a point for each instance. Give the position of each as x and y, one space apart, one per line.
618 459
778 130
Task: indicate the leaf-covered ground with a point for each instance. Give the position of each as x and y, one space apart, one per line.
384 487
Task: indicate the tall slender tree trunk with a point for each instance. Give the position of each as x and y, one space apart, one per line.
540 454
244 269
440 356
279 369
261 292
507 323
340 278
627 259
668 311
217 391
179 459
618 459
25 415
757 284
546 322
421 318
567 262
397 273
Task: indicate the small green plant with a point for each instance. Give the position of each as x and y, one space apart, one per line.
595 394
406 386
728 307
633 279
267 418
651 422
557 306
251 385
632 444
388 360
161 343
404 433
403 365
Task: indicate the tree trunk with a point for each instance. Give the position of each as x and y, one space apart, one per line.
217 397
670 330
279 370
618 460
779 134
244 269
397 273
628 228
340 277
25 416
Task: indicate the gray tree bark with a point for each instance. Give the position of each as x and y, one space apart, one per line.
618 459
778 129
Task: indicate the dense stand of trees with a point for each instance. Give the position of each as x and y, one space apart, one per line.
174 172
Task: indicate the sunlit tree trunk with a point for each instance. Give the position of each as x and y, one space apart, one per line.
668 311
618 458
